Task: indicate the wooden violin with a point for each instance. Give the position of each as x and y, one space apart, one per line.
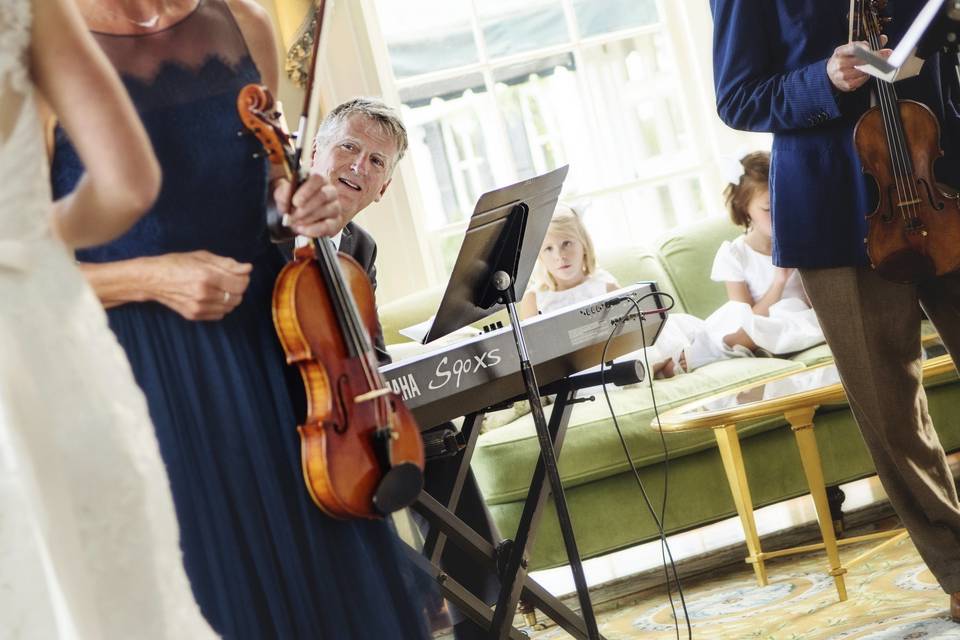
914 233
361 451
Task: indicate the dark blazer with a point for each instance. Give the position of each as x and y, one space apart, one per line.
770 74
359 245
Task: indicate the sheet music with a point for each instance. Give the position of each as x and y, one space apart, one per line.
902 63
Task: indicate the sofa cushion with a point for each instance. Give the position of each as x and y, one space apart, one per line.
505 457
687 256
630 265
813 355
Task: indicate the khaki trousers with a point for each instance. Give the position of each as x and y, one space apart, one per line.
873 329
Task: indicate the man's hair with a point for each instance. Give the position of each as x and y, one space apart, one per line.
372 108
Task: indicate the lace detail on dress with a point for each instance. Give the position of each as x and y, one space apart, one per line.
178 83
196 58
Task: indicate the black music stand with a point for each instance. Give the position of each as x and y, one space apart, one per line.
505 233
496 259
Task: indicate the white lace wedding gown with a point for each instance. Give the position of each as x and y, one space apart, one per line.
88 536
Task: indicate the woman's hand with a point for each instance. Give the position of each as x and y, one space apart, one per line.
198 285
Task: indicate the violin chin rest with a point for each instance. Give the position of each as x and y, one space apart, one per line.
398 488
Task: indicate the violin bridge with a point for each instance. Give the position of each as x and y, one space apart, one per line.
372 395
909 203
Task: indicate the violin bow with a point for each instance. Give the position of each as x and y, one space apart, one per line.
321 10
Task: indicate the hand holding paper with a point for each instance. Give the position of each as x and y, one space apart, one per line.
842 68
902 62
878 63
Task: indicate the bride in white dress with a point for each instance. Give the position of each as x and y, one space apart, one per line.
88 537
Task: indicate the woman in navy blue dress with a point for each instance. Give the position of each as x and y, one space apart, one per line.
188 291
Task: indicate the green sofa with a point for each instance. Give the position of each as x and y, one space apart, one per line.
606 506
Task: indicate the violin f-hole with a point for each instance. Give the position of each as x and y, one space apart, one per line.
890 212
938 205
343 392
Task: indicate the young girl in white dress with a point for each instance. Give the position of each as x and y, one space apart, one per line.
767 311
566 271
88 536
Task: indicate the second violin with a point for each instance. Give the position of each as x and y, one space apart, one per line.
914 233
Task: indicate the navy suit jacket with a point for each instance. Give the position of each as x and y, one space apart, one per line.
770 74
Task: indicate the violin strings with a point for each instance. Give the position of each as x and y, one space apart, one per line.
870 31
906 190
357 336
901 152
889 128
337 291
896 150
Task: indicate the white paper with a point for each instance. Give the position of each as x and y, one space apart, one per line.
880 68
418 332
903 62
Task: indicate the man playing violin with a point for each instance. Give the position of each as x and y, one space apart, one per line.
787 68
356 149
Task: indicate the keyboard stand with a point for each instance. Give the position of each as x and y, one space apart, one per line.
500 247
508 557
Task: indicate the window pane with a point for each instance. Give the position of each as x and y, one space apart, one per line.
603 16
539 106
513 27
450 143
637 216
422 39
634 96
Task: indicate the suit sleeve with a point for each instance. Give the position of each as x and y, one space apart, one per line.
752 95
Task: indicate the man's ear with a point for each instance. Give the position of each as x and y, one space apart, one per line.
383 190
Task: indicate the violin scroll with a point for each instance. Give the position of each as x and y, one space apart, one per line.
262 115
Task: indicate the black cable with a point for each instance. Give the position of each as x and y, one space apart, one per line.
664 545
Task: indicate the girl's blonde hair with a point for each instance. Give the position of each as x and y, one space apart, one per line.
566 222
755 179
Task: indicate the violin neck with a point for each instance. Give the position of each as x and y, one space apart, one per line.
901 159
354 333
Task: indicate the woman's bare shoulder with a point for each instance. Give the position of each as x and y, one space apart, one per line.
258 31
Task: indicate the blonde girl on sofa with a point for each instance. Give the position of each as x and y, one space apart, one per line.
566 271
566 274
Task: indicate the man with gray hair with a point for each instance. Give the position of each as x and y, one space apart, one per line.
357 147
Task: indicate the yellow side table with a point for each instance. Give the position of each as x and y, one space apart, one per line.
796 396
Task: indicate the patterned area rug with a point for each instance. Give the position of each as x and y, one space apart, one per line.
892 596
